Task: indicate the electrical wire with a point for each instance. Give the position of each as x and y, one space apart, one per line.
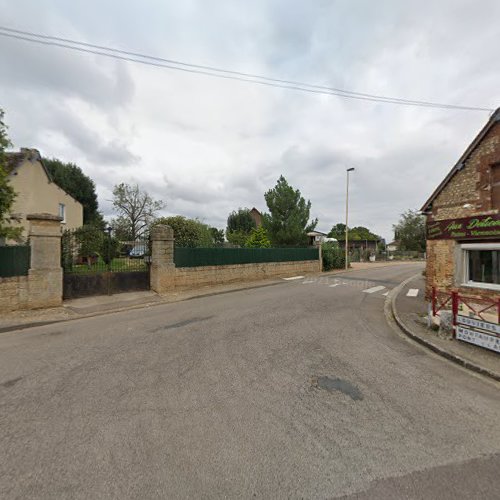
218 72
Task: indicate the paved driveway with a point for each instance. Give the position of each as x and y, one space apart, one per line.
299 390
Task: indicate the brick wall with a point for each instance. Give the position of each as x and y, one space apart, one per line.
193 277
166 277
42 287
35 291
471 185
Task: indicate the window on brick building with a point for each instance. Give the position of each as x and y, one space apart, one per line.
482 265
495 185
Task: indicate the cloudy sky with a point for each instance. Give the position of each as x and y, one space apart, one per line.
207 146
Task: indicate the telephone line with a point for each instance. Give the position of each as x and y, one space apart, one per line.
218 72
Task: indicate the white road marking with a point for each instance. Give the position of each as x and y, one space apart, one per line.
294 278
334 285
374 289
385 294
307 282
412 292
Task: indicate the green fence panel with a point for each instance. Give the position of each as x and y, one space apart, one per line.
14 261
194 257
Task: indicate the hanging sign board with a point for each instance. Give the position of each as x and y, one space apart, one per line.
468 228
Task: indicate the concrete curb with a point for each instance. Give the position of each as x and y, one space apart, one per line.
390 307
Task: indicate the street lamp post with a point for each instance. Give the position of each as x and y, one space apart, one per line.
347 220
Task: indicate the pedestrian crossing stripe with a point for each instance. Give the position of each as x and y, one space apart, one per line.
374 289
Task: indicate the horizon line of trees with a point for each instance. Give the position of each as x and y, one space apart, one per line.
286 223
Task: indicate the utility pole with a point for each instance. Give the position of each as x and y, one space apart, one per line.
347 220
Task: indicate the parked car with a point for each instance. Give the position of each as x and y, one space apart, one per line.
138 252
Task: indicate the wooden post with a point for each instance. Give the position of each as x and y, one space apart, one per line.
454 310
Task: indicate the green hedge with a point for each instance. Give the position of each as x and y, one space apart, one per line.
14 261
194 257
333 257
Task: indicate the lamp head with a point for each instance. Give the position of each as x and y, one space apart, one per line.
350 169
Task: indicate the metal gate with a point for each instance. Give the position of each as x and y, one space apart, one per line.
96 263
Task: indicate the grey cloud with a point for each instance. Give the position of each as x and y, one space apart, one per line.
64 73
209 146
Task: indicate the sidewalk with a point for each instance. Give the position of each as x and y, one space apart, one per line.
410 314
104 304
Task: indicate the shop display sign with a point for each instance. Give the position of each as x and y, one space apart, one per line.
468 228
478 332
478 338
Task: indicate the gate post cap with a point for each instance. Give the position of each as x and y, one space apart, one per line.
162 232
44 216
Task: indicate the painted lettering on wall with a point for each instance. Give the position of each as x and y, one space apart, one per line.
468 228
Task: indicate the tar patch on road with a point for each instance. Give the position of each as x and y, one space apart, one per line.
338 385
179 324
10 383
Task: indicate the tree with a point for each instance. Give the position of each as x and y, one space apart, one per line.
7 193
188 232
239 226
410 231
217 236
71 178
355 233
287 224
362 233
258 239
337 232
136 210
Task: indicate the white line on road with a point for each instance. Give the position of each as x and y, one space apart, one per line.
412 292
307 282
334 285
385 294
294 278
374 289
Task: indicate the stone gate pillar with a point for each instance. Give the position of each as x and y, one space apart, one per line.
162 275
45 276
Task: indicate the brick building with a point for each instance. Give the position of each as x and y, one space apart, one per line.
256 216
463 220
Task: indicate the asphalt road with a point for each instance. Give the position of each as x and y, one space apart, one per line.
298 390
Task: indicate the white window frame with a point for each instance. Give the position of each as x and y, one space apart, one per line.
465 247
62 208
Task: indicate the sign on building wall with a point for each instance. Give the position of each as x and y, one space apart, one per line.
468 228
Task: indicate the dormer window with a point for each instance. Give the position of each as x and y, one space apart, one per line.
62 211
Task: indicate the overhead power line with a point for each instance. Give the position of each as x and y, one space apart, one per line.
219 72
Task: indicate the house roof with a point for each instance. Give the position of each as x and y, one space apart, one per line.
14 159
495 118
316 233
352 240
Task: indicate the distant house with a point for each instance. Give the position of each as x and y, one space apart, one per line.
256 216
37 193
367 245
393 246
317 237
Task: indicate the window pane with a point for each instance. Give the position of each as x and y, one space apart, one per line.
484 266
